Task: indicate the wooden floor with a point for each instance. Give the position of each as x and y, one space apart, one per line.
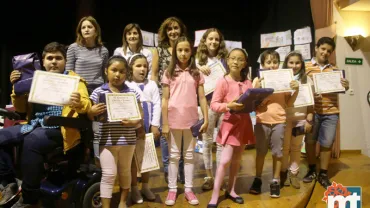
350 170
290 197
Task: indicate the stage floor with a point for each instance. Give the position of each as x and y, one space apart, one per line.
350 170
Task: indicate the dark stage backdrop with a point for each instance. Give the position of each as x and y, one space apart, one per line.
30 25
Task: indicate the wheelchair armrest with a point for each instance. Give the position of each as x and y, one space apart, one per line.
12 115
78 123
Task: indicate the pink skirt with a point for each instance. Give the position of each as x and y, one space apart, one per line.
236 130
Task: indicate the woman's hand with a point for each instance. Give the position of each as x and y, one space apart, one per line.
15 76
97 109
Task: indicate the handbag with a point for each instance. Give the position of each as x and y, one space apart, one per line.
27 64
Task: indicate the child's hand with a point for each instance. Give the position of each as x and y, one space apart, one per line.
205 70
166 131
155 131
15 76
257 82
98 109
233 105
345 83
131 123
294 85
307 127
140 133
75 100
204 127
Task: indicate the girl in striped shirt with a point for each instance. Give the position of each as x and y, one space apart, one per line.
116 139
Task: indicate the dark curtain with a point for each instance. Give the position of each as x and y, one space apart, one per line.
37 23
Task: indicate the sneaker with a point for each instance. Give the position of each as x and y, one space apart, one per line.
208 183
310 176
171 198
20 204
148 194
192 199
294 180
136 196
10 191
275 190
256 186
324 180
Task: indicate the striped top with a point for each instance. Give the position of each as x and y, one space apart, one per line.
89 63
324 103
113 133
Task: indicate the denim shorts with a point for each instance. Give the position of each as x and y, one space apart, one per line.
324 130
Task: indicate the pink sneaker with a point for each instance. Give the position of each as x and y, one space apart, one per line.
192 199
171 198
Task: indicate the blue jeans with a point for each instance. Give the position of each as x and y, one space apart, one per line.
165 156
324 129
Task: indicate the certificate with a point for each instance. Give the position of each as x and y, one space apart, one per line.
327 82
146 155
279 80
217 71
52 88
122 106
305 97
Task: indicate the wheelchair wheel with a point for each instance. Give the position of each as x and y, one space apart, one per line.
92 197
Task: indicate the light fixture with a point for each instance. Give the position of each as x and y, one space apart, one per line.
354 41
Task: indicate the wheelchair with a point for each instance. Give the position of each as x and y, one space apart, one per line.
71 179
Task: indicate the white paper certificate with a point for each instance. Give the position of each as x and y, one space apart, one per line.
327 82
146 155
122 106
217 71
279 80
305 97
52 88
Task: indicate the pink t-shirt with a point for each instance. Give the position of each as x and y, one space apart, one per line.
226 91
183 101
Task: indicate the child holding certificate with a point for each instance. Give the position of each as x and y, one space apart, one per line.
116 139
182 85
236 129
297 118
270 126
326 114
211 50
151 103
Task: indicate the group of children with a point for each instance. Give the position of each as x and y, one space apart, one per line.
171 109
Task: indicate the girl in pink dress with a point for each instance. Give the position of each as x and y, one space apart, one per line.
236 129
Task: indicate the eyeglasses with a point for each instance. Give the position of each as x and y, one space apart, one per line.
239 60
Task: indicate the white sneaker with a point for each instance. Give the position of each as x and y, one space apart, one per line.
136 196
